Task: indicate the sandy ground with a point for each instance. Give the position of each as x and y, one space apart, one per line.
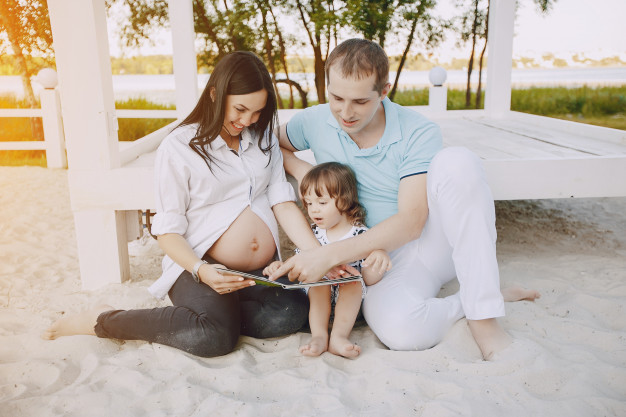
569 357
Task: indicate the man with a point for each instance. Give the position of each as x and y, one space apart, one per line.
430 208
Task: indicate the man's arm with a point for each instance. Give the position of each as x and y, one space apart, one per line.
390 234
293 165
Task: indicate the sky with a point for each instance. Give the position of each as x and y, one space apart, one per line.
572 26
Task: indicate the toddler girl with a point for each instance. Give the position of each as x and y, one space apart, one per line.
329 193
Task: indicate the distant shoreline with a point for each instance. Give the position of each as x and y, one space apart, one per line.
160 88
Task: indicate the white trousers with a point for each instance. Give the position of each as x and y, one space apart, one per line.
458 241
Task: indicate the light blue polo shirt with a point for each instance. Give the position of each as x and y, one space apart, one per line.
406 148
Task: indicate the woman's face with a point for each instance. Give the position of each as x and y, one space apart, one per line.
243 110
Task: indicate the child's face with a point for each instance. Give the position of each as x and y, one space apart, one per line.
323 210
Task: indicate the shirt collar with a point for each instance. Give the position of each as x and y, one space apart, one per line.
392 132
246 140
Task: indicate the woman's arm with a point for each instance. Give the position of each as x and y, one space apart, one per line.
295 225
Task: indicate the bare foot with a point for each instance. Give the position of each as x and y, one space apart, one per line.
80 323
343 347
519 294
489 336
316 346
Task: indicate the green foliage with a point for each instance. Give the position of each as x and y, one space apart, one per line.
152 64
8 66
585 101
142 103
133 129
413 97
26 27
603 106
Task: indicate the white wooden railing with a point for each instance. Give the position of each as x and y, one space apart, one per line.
50 113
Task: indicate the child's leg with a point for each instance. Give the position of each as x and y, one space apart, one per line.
346 310
319 315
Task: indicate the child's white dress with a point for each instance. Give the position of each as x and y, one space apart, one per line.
320 234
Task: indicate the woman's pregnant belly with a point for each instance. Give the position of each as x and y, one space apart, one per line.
246 245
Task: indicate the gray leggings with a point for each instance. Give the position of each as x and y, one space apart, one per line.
205 323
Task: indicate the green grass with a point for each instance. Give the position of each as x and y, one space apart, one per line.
603 106
133 129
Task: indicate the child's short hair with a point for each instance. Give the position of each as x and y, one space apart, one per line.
360 58
340 183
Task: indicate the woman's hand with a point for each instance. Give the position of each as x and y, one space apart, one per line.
222 282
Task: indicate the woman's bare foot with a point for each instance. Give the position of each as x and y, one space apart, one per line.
343 347
519 294
489 336
316 346
80 323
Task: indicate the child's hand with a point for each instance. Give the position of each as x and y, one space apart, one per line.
378 261
271 268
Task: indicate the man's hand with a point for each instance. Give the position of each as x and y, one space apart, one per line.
307 266
378 261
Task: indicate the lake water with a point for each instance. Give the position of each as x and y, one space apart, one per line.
160 88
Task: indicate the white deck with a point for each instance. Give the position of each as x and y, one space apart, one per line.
525 157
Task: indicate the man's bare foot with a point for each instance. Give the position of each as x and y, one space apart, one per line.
343 347
519 294
80 323
489 336
316 346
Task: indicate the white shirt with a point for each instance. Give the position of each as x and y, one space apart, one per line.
200 205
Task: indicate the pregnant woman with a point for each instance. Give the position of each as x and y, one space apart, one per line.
220 187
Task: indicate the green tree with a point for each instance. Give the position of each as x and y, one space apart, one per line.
25 30
473 25
372 18
375 19
321 20
416 17
222 27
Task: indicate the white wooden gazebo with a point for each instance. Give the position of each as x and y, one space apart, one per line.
525 156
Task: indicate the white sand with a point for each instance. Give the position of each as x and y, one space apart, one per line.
569 358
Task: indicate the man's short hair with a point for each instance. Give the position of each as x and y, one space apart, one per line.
360 58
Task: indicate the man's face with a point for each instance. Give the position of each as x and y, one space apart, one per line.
353 101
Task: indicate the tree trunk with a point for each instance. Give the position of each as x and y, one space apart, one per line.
320 75
303 98
270 56
470 64
283 57
409 41
480 62
25 74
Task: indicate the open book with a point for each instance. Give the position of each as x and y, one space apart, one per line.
285 283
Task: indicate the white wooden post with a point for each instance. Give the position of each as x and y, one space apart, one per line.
438 93
500 57
54 138
53 128
184 56
86 88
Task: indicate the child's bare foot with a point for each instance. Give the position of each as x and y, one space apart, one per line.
489 337
519 294
80 323
316 346
343 347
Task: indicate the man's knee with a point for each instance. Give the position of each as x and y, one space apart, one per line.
402 330
404 335
457 170
457 162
